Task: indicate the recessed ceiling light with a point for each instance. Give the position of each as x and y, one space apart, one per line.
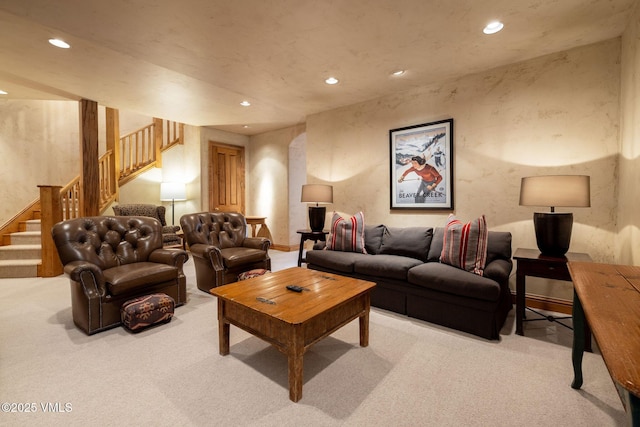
398 73
331 81
246 126
2 92
59 43
493 27
245 103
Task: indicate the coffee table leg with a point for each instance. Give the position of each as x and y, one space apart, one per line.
223 329
364 324
294 356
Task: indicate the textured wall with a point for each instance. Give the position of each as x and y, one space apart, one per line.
39 145
554 114
628 242
268 183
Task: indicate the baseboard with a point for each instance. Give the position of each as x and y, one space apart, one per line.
540 302
284 248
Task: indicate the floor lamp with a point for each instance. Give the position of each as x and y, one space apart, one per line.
317 193
553 229
173 191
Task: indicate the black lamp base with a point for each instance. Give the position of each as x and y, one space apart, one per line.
553 232
316 217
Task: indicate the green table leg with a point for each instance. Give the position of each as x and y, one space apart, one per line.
578 341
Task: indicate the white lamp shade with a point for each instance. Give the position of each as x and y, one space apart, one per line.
317 193
556 190
173 191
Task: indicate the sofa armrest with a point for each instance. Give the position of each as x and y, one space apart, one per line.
173 257
257 243
89 276
499 270
319 245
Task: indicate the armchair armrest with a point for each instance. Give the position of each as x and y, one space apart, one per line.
257 243
173 257
210 253
89 276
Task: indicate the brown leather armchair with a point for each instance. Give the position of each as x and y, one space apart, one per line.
110 260
221 249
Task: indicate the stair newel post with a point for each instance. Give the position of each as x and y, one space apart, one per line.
158 139
51 213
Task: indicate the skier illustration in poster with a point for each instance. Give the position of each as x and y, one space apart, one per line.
429 177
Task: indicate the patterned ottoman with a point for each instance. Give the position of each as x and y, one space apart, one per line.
252 273
138 313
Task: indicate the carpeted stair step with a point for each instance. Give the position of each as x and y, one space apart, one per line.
19 268
20 252
26 238
30 225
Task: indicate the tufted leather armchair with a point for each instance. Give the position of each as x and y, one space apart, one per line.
110 260
221 249
169 232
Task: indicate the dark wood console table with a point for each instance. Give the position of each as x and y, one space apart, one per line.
530 262
608 298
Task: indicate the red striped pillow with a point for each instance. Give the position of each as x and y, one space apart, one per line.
346 235
465 245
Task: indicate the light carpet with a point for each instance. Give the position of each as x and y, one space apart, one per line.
412 373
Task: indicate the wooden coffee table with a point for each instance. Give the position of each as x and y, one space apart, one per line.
292 321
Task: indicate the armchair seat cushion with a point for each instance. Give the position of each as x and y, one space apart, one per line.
239 256
126 278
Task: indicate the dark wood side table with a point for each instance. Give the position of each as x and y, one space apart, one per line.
309 235
530 262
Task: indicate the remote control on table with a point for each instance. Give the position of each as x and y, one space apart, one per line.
295 288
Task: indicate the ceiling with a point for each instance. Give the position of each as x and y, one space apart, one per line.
194 61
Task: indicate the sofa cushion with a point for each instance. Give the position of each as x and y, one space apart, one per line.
129 277
413 242
346 234
465 245
445 278
385 266
334 260
373 238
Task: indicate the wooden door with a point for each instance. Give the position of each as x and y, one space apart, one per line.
226 178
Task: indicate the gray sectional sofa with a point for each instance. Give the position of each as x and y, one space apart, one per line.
404 262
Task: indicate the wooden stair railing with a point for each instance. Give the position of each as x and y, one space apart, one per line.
108 180
70 199
141 150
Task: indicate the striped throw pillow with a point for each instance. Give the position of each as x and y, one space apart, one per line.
465 245
346 235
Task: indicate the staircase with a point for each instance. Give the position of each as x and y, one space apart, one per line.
21 251
20 258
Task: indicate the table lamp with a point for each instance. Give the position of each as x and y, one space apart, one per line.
173 191
317 193
553 229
